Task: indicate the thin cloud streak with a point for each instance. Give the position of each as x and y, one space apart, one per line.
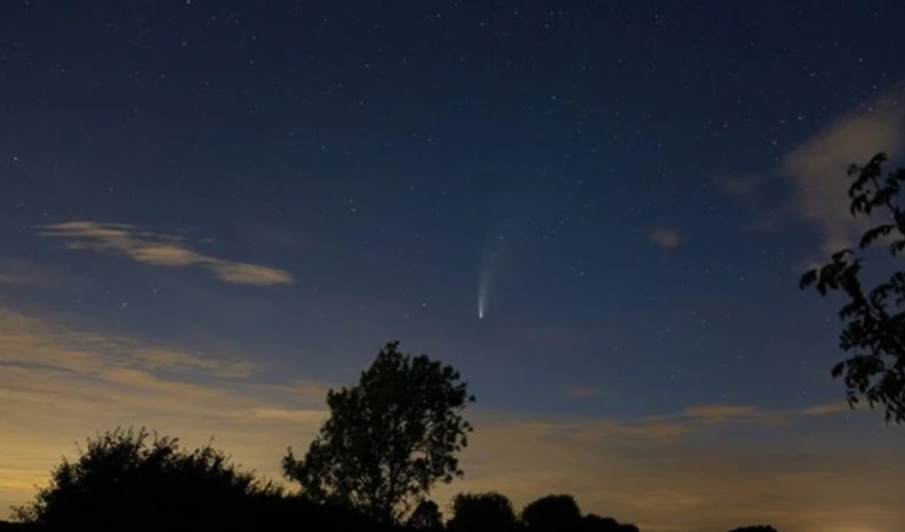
17 272
159 250
582 392
27 341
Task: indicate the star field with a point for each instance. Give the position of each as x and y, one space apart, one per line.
244 200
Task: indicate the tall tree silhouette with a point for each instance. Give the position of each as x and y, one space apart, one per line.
482 512
389 439
874 319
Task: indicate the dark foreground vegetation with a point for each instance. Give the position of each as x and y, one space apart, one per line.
131 480
387 441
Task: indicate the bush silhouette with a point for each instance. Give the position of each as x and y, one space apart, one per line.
482 512
595 523
552 513
126 479
426 517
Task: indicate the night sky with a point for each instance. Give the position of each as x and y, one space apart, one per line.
212 211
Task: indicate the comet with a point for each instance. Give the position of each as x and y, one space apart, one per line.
500 239
486 278
481 303
484 284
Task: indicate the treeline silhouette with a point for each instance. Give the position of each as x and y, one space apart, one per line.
131 480
387 441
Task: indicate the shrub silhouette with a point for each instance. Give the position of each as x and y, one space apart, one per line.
481 512
426 517
755 528
389 439
595 523
127 480
552 513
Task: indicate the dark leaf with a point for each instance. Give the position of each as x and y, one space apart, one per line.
896 247
838 369
809 278
875 233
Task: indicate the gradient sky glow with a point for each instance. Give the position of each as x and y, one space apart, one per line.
212 211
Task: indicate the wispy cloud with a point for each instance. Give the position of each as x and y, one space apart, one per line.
825 409
18 272
582 392
159 250
679 425
817 171
818 166
174 360
723 414
665 237
739 184
735 414
28 341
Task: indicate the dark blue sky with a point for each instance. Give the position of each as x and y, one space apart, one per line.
628 162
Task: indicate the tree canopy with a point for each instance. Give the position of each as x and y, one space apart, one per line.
389 439
873 319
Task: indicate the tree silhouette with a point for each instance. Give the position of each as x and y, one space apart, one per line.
426 517
126 480
552 513
874 319
756 528
389 439
481 512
